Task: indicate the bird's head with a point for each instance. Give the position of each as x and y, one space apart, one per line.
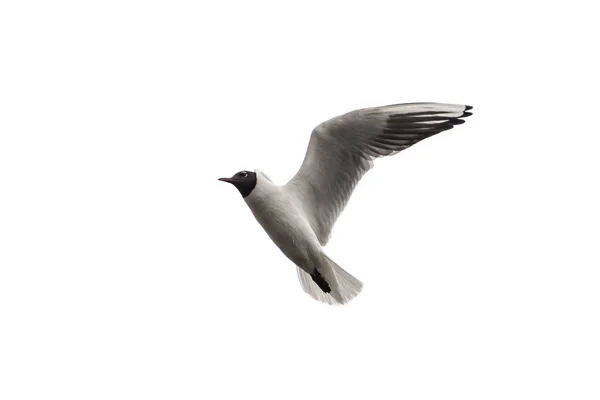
244 181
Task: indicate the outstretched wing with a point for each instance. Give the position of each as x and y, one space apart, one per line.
341 150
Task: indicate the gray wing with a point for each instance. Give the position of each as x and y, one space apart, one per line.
342 150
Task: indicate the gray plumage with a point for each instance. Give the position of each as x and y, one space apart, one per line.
300 215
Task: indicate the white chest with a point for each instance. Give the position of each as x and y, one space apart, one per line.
283 221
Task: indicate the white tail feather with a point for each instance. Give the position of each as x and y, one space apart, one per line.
343 290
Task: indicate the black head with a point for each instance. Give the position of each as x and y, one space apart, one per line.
244 181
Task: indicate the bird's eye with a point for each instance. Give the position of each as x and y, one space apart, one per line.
243 174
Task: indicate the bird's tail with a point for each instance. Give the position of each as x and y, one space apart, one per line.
330 284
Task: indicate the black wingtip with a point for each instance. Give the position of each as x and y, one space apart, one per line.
466 114
468 108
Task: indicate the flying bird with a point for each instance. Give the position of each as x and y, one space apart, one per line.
300 215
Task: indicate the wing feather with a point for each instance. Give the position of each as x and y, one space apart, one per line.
342 149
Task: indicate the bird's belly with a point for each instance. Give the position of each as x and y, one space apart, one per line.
289 230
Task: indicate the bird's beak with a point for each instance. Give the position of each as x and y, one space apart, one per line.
229 180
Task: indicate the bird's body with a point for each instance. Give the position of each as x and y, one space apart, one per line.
282 218
300 215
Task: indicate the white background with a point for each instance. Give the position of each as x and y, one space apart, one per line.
129 272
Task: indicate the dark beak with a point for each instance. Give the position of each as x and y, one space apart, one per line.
228 180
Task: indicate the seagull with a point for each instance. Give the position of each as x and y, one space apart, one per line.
299 216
